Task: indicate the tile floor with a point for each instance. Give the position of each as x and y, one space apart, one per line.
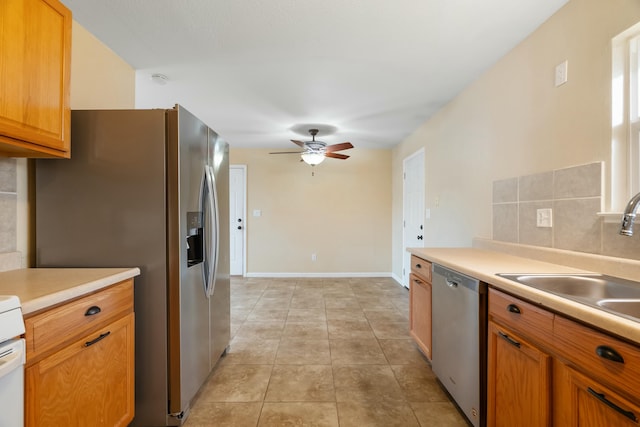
321 352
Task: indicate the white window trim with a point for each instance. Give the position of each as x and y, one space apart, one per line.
625 118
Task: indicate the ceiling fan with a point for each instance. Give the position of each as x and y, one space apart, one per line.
314 152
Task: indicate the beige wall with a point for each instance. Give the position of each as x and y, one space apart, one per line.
513 121
99 79
342 214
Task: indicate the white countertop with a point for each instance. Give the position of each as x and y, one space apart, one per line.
40 288
484 264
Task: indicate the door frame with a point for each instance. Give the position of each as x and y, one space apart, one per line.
243 168
406 259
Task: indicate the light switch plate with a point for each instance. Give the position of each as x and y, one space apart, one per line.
561 73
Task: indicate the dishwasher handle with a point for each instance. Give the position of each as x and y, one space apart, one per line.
451 283
11 356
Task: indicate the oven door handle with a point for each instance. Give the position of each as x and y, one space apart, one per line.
12 356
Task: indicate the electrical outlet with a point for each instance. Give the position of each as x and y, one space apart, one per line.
544 218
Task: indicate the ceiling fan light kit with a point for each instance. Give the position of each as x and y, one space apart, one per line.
313 158
316 151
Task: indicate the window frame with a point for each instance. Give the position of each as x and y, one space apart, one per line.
625 117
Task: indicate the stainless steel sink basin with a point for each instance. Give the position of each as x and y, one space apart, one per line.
630 307
618 296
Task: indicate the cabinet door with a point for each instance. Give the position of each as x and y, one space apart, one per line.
88 383
518 377
420 313
582 402
35 53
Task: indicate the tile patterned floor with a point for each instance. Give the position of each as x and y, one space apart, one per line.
321 352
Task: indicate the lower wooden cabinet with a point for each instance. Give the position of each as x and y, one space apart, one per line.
560 372
420 313
87 378
585 402
420 304
518 377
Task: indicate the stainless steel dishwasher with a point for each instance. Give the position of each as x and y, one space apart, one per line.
459 322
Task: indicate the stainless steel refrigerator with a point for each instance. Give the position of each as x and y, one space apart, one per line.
148 189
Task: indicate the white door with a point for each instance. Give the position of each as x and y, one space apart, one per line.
237 218
413 209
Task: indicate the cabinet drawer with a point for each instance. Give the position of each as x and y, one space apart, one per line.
520 316
53 328
421 268
595 353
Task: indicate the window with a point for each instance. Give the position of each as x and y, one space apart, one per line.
625 117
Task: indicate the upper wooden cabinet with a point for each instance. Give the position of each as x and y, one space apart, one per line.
35 59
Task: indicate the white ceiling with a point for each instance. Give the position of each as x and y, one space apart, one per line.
255 69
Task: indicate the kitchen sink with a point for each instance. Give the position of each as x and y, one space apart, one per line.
630 307
612 294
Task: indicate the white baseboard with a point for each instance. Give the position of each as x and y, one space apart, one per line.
327 275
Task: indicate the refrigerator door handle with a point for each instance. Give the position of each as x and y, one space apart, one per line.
211 232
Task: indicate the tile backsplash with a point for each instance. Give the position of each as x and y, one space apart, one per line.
575 196
8 205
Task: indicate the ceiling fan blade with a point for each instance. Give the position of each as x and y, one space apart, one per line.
336 156
339 147
288 152
298 143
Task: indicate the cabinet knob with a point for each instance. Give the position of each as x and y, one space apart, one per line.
609 354
512 308
418 266
92 311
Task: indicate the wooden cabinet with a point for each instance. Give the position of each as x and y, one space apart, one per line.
80 361
585 402
35 54
420 304
550 370
519 376
597 377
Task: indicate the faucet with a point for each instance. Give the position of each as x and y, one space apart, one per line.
626 228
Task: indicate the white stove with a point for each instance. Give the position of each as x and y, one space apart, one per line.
12 359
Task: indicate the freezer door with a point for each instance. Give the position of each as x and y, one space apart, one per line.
189 363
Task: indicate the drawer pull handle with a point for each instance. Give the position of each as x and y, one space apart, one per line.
100 338
513 309
93 310
609 354
509 339
602 398
418 266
